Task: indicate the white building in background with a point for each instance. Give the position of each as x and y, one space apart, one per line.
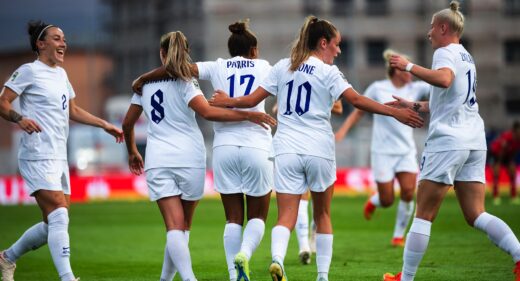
367 27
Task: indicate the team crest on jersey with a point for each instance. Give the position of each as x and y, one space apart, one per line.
15 74
196 84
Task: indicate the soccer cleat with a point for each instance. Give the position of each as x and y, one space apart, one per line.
369 210
305 257
391 277
277 272
516 271
7 268
242 267
398 242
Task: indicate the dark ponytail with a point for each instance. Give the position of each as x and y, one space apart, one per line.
241 40
37 30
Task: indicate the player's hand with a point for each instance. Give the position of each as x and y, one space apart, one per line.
29 126
220 99
409 117
400 103
136 163
114 131
398 62
262 119
137 86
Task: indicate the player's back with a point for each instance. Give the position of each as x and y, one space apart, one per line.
305 98
174 138
455 123
238 76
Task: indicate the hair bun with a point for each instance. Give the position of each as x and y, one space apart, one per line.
239 26
454 6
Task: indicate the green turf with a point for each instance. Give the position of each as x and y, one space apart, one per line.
125 241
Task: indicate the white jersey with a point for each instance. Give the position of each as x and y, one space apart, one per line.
390 136
455 123
305 98
44 93
174 138
238 77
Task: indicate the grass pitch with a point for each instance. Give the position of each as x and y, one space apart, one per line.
125 241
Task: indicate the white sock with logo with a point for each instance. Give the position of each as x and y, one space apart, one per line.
499 233
404 214
416 244
58 240
253 234
279 241
32 239
180 253
232 242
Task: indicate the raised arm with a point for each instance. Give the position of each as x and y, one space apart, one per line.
200 105
157 74
135 160
222 99
405 116
8 113
80 115
439 78
351 120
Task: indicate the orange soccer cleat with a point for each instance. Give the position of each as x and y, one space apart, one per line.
516 271
398 242
391 277
369 210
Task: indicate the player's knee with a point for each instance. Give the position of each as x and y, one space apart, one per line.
407 194
386 201
58 217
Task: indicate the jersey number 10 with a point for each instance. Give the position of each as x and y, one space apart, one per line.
299 110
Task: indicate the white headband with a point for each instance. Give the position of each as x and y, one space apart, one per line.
43 30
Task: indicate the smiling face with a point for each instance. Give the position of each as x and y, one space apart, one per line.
436 32
53 46
330 50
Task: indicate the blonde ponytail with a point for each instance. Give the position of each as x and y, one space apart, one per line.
177 59
453 17
300 51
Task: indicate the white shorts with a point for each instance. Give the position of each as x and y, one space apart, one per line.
167 182
385 166
49 174
294 173
456 165
239 169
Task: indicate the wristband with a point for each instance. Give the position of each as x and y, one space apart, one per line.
409 67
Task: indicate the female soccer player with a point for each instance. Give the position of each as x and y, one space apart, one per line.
47 103
455 151
306 86
393 152
240 149
504 150
176 158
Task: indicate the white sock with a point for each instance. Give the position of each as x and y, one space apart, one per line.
180 253
323 252
58 240
404 214
253 234
168 268
499 233
302 226
279 241
416 244
375 200
232 241
32 239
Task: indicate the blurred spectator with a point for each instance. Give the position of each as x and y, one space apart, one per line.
504 152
